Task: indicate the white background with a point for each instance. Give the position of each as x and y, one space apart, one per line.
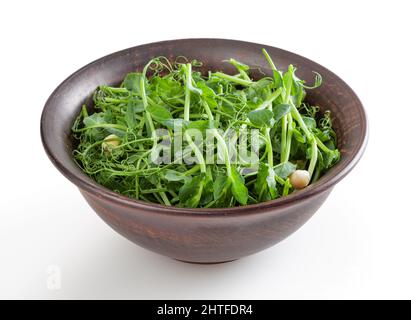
356 246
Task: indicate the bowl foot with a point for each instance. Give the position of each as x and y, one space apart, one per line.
194 262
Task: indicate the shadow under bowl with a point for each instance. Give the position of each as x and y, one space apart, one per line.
202 235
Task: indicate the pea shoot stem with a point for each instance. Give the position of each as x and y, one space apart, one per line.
234 79
310 136
149 119
188 83
188 92
283 138
103 125
289 137
286 122
313 160
270 61
269 101
144 98
269 147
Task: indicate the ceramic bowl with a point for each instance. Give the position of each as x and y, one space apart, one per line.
202 235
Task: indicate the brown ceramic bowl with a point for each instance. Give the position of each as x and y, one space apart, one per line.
202 235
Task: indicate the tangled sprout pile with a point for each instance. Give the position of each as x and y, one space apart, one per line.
295 142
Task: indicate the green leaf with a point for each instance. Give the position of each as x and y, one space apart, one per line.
190 192
265 186
222 183
159 113
259 91
94 120
168 88
222 191
228 108
239 190
260 186
309 122
132 82
261 118
323 135
172 175
130 116
283 170
201 125
278 79
208 94
174 124
271 183
208 189
138 105
280 110
330 158
298 136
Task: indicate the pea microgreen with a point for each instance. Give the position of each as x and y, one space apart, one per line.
170 108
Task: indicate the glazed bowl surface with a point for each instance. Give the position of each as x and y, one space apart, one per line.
202 235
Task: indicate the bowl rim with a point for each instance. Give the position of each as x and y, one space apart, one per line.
85 183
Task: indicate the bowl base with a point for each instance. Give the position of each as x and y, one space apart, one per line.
194 262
